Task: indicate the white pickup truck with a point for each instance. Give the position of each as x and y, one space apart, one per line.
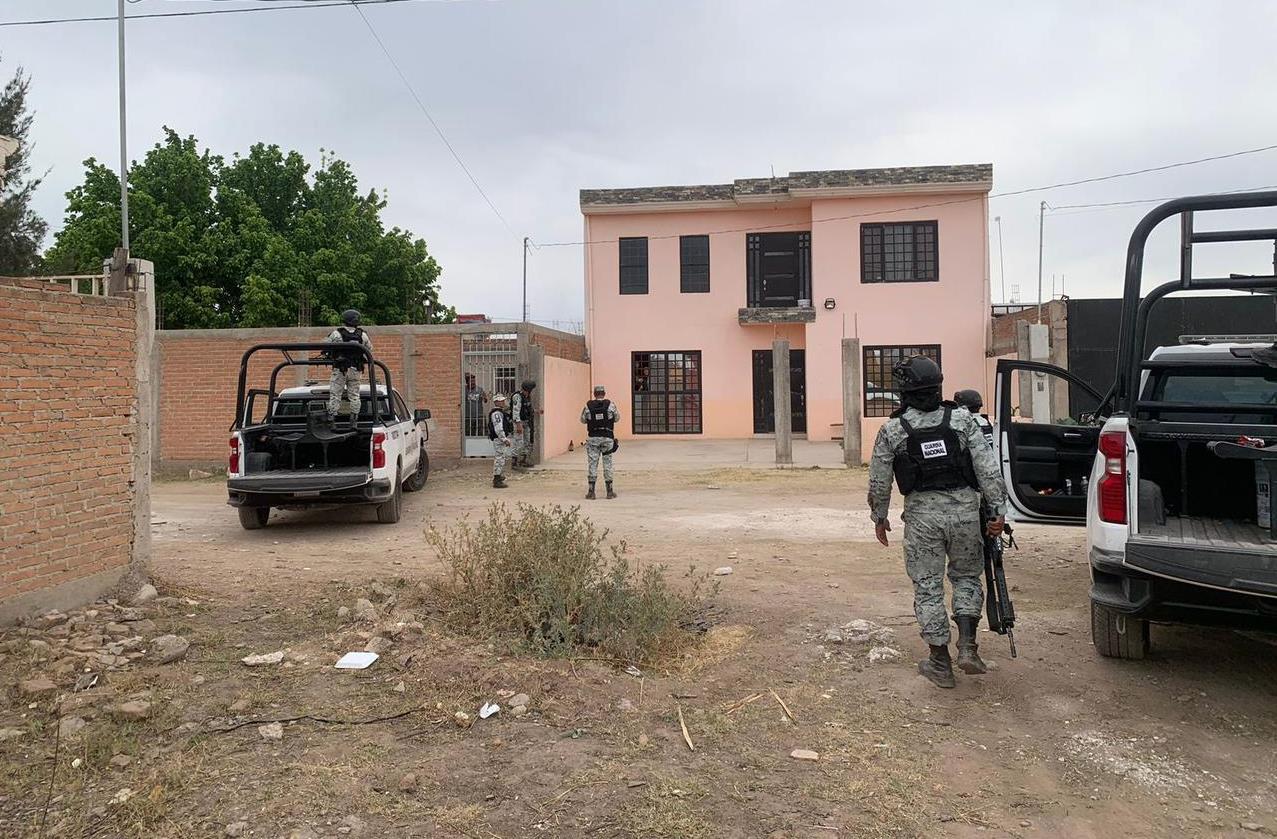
1179 518
285 454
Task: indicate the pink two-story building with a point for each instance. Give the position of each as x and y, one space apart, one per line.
686 287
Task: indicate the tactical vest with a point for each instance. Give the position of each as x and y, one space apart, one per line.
344 360
599 417
933 459
506 425
986 427
525 407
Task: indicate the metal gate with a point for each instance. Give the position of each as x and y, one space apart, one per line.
489 365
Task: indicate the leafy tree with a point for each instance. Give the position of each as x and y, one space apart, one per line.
21 230
258 241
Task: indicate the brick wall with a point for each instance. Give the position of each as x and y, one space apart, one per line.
67 437
1005 327
559 344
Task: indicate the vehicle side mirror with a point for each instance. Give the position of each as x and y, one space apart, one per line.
421 415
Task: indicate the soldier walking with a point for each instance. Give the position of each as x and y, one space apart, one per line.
942 465
600 417
974 403
499 426
524 413
348 367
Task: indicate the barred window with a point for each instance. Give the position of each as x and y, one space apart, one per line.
694 264
899 253
633 265
667 392
881 396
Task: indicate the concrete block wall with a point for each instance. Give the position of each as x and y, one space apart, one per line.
68 435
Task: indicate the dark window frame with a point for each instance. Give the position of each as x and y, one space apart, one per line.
693 268
876 362
755 256
882 259
635 264
652 416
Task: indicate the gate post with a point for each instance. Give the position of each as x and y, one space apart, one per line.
781 402
851 440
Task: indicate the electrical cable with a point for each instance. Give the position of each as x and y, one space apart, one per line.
269 7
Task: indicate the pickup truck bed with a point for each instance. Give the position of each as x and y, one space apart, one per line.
302 480
1208 533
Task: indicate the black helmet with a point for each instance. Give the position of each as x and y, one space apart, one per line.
917 373
528 384
969 399
350 317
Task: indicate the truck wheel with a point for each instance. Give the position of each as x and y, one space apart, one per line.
1116 635
254 518
388 511
418 479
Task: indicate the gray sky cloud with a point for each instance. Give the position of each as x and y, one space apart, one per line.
544 97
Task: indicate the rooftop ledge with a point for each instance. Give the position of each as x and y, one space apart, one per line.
776 314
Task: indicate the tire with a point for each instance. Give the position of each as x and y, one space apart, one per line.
418 479
254 518
1118 636
388 511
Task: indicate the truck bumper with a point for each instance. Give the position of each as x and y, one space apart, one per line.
373 492
1131 591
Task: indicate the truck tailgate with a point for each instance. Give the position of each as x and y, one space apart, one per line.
1228 554
302 480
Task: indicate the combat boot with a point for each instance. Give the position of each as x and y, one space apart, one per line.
968 656
611 493
938 667
498 482
589 496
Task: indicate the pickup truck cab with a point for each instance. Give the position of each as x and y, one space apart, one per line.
285 454
1177 530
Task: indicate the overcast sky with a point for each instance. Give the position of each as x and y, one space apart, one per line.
543 97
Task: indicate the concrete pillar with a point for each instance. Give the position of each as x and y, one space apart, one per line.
536 364
1025 400
146 367
408 364
851 389
784 412
1040 350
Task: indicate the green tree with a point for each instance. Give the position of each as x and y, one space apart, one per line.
258 241
21 230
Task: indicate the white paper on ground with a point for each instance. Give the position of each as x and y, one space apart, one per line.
488 709
355 661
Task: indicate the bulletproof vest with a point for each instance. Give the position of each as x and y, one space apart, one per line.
933 458
344 360
599 420
492 427
986 427
525 407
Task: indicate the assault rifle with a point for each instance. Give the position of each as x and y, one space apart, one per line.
997 601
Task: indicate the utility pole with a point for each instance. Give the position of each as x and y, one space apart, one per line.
1002 265
1041 218
124 148
525 273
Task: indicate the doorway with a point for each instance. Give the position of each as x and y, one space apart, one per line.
488 365
764 392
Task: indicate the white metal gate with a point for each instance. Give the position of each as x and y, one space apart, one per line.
489 365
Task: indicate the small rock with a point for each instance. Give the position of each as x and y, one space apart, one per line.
77 763
343 613
235 829
1026 823
400 688
37 687
40 648
87 643
878 655
48 620
643 740
520 699
117 630
365 611
135 709
462 719
833 636
199 474
70 726
722 571
804 754
625 706
167 649
129 614
271 731
145 595
1253 827
378 644
518 710
408 783
239 706
732 555
264 658
121 761
122 796
303 833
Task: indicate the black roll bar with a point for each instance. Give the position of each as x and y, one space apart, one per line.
1134 324
312 346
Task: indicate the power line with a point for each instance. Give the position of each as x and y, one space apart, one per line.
268 7
1007 194
1103 205
426 111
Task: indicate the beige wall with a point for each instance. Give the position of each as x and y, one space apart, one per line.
566 390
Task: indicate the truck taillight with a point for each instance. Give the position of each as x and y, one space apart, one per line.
1112 484
378 452
232 465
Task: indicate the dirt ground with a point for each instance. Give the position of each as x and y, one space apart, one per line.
1057 742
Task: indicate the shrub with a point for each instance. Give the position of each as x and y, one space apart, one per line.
547 576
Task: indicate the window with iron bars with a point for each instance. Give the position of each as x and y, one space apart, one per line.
633 264
899 253
881 396
667 392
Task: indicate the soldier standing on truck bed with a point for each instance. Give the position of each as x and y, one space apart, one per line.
943 465
499 427
600 417
348 367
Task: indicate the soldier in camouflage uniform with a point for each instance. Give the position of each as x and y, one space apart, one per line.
943 465
600 417
499 427
348 367
524 414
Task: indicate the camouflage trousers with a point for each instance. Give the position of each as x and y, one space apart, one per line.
929 537
503 449
596 447
523 442
343 387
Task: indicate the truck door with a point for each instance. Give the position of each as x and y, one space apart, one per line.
1045 441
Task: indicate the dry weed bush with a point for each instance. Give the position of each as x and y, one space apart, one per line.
547 576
